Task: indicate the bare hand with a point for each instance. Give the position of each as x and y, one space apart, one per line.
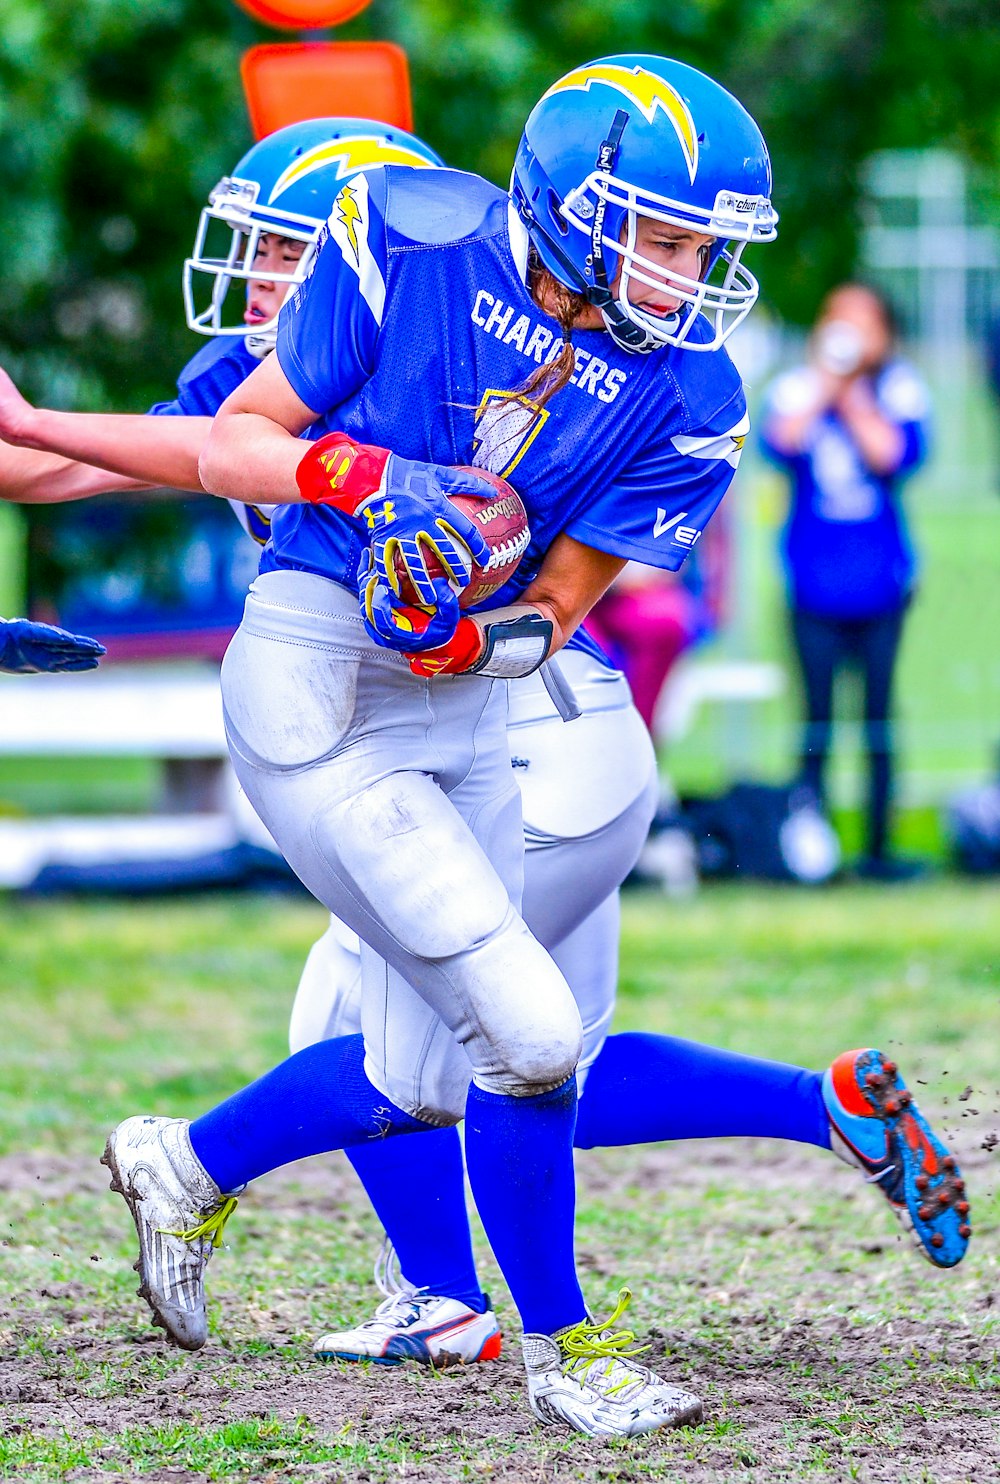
16 414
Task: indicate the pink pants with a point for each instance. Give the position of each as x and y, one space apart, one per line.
644 630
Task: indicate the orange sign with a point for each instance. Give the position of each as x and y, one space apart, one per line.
303 15
286 82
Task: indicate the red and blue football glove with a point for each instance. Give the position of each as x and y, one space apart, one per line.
396 624
438 640
401 507
456 656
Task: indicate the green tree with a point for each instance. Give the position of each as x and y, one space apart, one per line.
829 82
116 116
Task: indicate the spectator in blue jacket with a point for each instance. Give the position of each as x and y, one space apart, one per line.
848 427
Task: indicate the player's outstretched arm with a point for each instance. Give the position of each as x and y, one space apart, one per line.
29 477
252 450
152 451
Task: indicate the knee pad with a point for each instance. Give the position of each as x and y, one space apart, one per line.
531 1041
535 1067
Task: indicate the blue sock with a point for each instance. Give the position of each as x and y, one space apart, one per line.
317 1100
419 1197
519 1153
644 1089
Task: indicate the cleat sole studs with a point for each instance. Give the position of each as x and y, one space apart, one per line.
937 1240
964 1230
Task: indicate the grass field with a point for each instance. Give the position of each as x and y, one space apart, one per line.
765 1276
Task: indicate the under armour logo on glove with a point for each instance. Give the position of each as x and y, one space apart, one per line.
385 516
402 506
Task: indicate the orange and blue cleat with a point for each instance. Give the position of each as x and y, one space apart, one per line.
876 1125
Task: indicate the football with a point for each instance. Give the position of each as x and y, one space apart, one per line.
503 521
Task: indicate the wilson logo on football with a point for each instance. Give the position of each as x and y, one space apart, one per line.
503 521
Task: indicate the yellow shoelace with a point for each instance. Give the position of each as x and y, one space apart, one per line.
212 1226
589 1342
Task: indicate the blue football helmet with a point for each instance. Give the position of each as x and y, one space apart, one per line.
641 136
285 185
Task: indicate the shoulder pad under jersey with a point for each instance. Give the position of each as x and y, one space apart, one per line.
441 206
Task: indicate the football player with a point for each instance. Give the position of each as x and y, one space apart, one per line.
450 1316
370 734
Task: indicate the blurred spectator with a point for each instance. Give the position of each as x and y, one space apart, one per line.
648 618
993 359
645 620
847 428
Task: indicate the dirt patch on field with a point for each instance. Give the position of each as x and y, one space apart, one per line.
906 1393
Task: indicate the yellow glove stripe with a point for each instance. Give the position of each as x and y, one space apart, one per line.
452 575
370 587
391 550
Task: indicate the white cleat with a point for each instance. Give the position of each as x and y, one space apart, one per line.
586 1379
410 1324
179 1213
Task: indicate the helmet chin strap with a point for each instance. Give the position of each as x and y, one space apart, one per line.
263 342
632 336
626 331
619 325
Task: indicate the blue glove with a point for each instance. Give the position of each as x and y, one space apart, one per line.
410 515
395 624
27 648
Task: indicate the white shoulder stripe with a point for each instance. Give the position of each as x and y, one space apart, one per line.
519 243
715 446
349 223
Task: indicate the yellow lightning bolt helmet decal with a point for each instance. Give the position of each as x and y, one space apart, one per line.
352 153
347 206
647 91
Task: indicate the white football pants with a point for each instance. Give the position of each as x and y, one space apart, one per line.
588 791
394 801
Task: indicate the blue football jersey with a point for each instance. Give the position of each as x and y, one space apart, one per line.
414 331
217 369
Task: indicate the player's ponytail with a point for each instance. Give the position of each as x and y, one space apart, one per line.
565 307
541 386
